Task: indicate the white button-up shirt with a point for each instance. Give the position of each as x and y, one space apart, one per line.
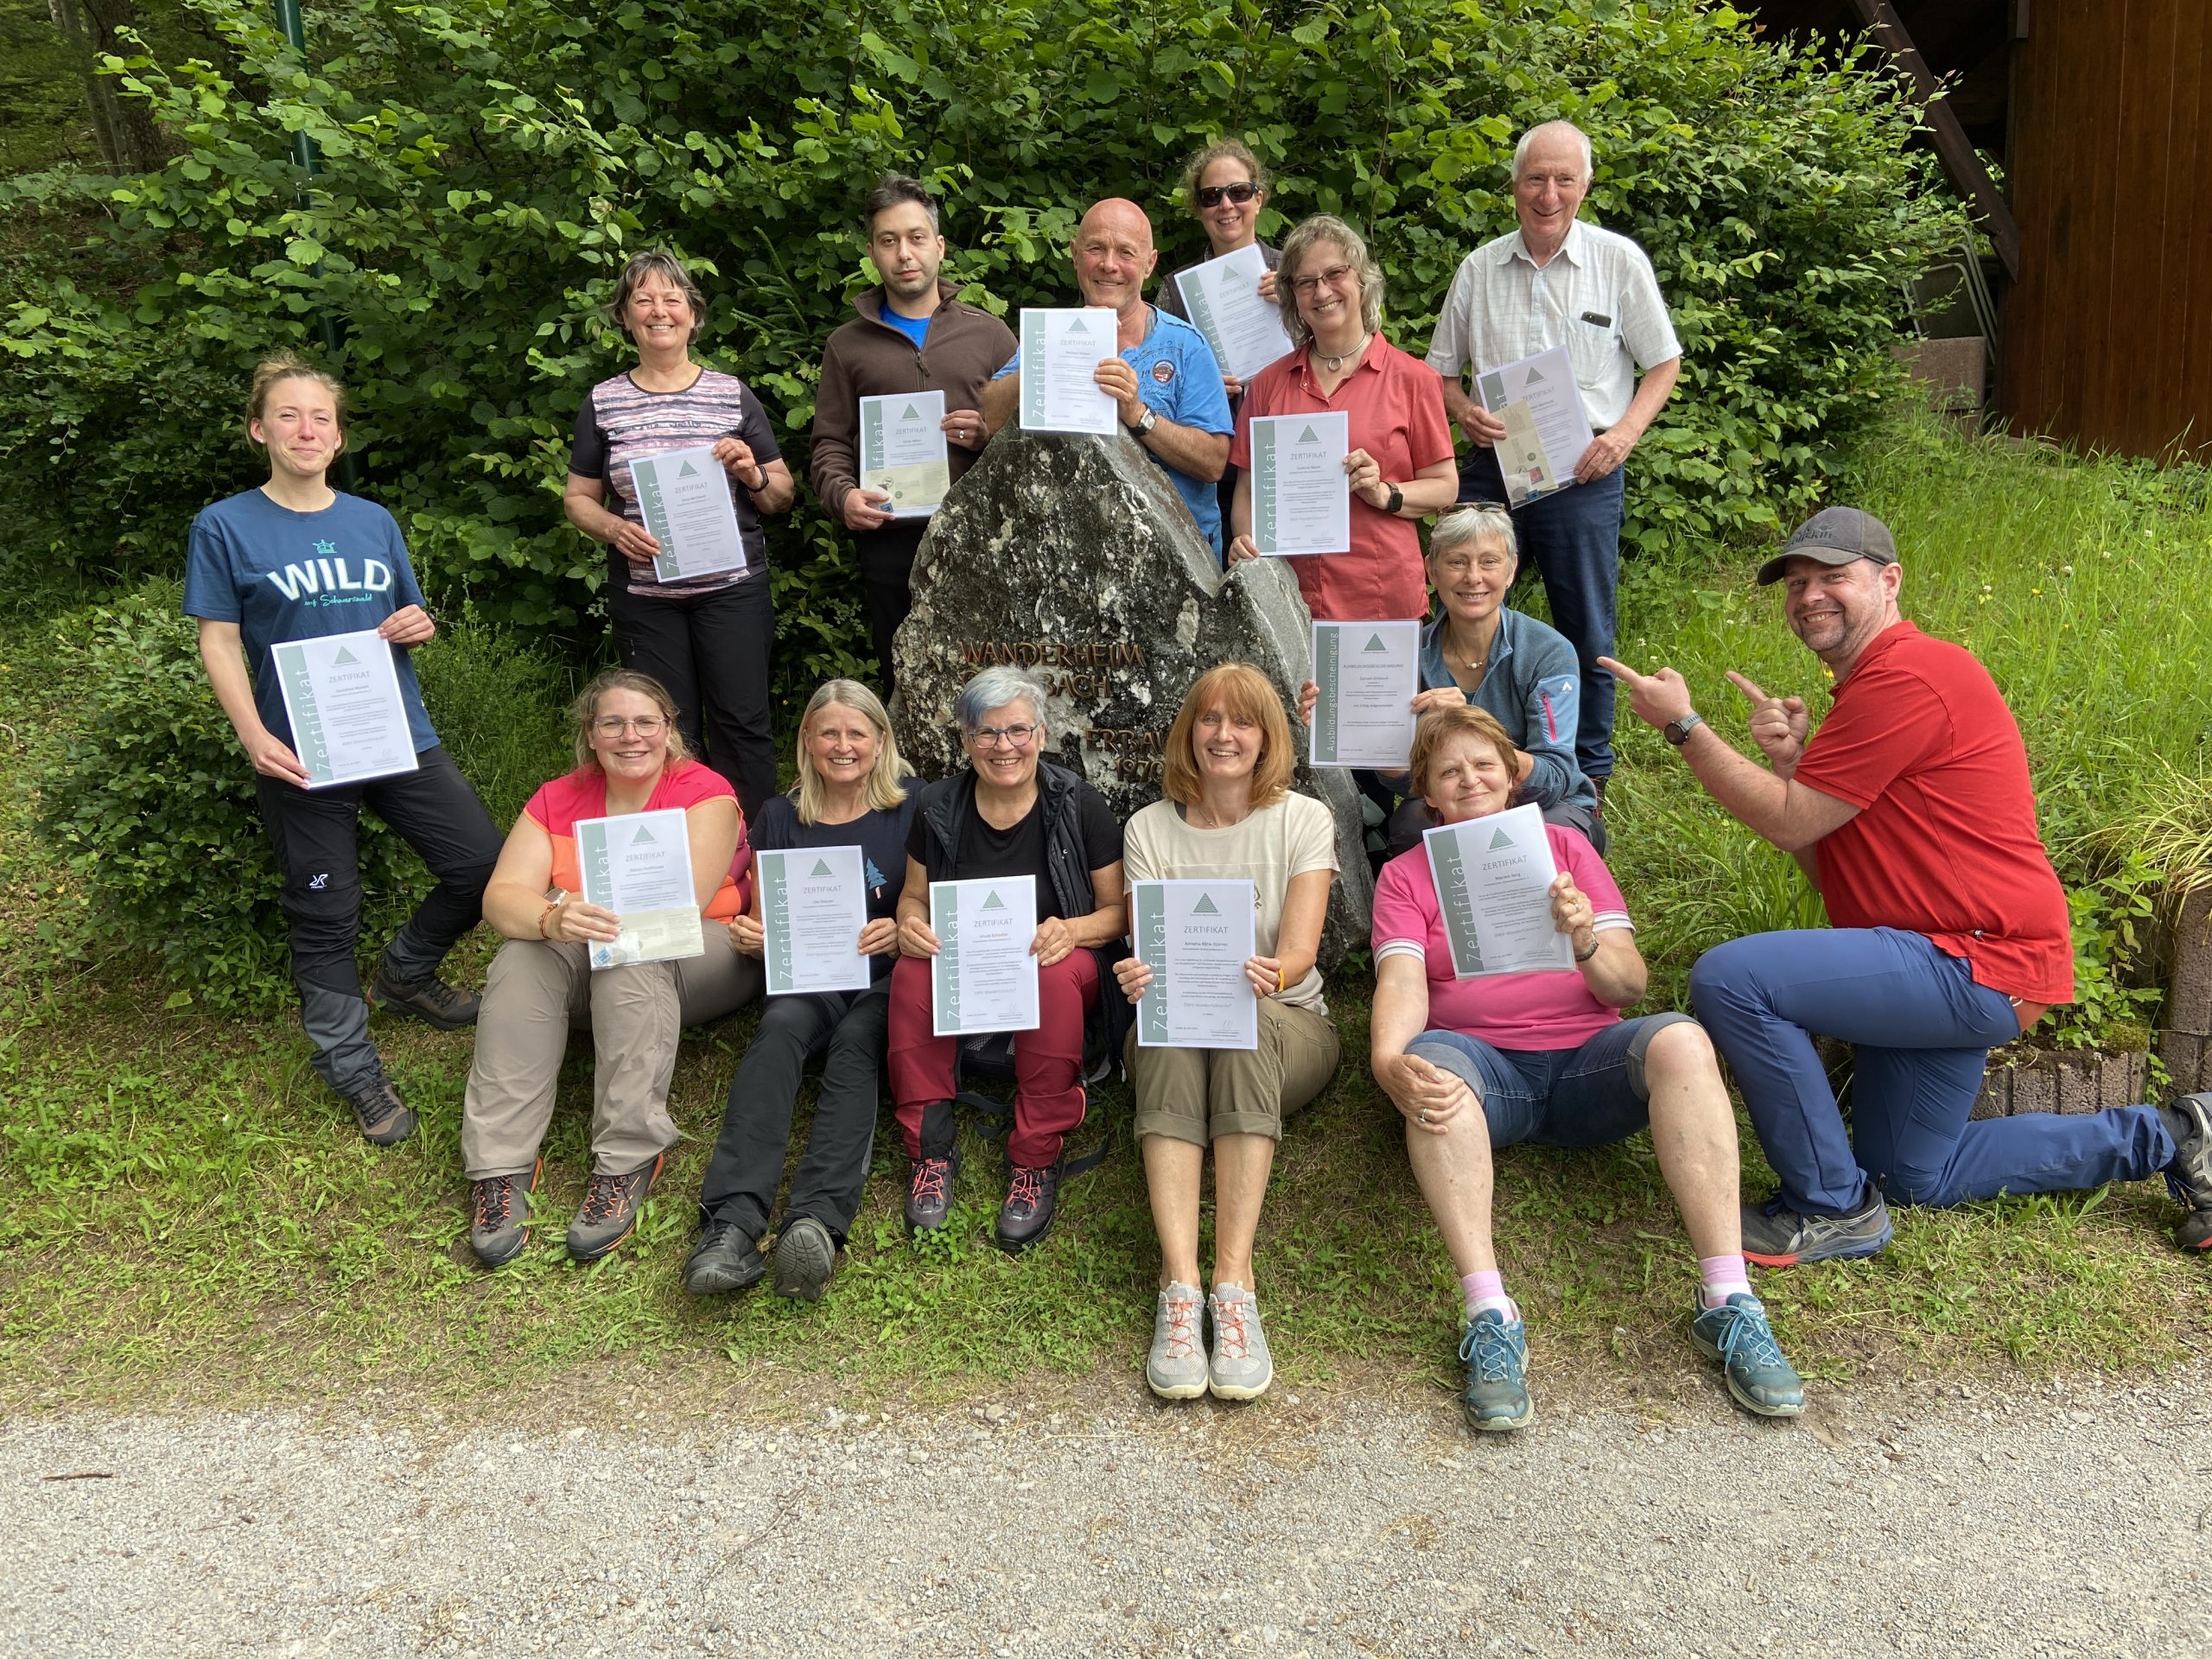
1598 297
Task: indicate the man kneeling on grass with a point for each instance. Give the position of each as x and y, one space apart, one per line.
1912 812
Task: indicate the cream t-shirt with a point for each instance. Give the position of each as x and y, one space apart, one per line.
1296 835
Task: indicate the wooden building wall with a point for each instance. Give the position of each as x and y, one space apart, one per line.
2109 333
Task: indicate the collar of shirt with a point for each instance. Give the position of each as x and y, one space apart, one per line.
1575 249
1372 360
1436 672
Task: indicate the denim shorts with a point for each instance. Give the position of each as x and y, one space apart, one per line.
1592 1096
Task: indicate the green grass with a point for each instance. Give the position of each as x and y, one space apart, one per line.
190 1216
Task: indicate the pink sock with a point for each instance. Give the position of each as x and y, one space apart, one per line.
1487 1289
1724 1276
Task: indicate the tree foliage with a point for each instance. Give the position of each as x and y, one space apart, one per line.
486 165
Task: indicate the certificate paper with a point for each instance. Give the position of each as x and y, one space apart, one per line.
342 693
1301 499
982 977
1369 674
1195 936
1493 884
813 906
684 497
638 866
903 452
1060 350
1546 430
1223 296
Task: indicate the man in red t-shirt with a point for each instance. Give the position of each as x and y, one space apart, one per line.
1912 813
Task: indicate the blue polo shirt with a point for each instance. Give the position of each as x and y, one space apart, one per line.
1178 379
282 575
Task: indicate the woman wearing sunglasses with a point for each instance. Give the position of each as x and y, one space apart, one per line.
630 758
1401 466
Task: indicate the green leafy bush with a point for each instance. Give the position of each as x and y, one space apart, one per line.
150 804
487 164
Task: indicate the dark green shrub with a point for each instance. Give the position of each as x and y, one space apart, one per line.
150 803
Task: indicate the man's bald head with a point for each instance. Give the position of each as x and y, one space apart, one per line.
1113 254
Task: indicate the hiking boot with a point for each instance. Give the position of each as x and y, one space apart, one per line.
431 1001
726 1258
2188 1178
499 1209
928 1193
1239 1367
1737 1334
383 1117
1032 1200
610 1210
1775 1236
2195 1232
805 1257
1176 1369
1496 1351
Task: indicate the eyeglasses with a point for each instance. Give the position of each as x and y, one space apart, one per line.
1307 287
1491 564
649 726
1213 195
989 737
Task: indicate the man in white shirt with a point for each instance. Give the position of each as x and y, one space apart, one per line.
1559 281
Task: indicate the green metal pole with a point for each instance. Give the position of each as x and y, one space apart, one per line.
304 152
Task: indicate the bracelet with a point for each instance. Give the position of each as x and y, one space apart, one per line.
1279 980
755 489
546 916
1585 956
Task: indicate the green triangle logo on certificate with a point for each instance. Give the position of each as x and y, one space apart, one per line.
1078 327
1205 905
1534 380
1498 838
344 659
912 414
686 470
994 902
1309 436
643 834
1375 643
821 867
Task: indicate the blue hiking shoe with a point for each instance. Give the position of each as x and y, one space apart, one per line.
1737 1334
1496 1351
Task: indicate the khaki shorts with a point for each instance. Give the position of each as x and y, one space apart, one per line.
1195 1093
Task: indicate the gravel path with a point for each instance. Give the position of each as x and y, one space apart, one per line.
2067 1519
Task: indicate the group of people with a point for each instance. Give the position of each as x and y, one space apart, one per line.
1911 809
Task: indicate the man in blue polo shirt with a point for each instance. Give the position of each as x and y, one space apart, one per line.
1165 384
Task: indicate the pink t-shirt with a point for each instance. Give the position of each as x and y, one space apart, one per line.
582 794
1530 1012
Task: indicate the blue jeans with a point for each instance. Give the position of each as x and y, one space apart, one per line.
1592 1096
1923 1031
1573 541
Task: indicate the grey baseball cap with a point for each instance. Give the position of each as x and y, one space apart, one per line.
1834 536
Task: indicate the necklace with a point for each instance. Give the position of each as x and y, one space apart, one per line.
1470 663
1335 363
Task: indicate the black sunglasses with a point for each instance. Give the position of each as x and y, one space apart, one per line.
1212 195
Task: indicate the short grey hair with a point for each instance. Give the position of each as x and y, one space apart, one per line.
1327 227
1529 141
996 688
1483 521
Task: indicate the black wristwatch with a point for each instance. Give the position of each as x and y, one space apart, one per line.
1144 422
1394 501
1677 732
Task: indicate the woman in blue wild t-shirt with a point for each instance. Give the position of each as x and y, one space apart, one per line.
297 559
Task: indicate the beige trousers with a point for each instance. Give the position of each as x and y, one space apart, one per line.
538 991
1195 1093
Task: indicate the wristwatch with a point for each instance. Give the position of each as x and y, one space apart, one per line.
1150 418
1394 501
1677 732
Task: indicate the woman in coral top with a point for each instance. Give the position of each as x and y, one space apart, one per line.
630 758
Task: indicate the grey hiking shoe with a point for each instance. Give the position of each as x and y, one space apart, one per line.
1240 1367
805 1257
1176 1370
383 1117
500 1215
1775 1236
726 1258
609 1213
431 1001
2188 1178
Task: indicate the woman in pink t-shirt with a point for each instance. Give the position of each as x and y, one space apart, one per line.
629 758
1491 1059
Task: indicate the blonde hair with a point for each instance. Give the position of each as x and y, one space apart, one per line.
280 367
1326 227
884 788
1441 726
1224 150
585 710
1242 689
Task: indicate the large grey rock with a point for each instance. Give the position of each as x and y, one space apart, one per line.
1073 557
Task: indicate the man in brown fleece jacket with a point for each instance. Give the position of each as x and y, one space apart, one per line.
912 334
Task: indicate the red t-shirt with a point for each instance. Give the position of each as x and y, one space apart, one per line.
1920 740
1397 405
582 794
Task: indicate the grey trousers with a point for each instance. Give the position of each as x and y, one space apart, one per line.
540 990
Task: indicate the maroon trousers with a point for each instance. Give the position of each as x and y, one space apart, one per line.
1048 1099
